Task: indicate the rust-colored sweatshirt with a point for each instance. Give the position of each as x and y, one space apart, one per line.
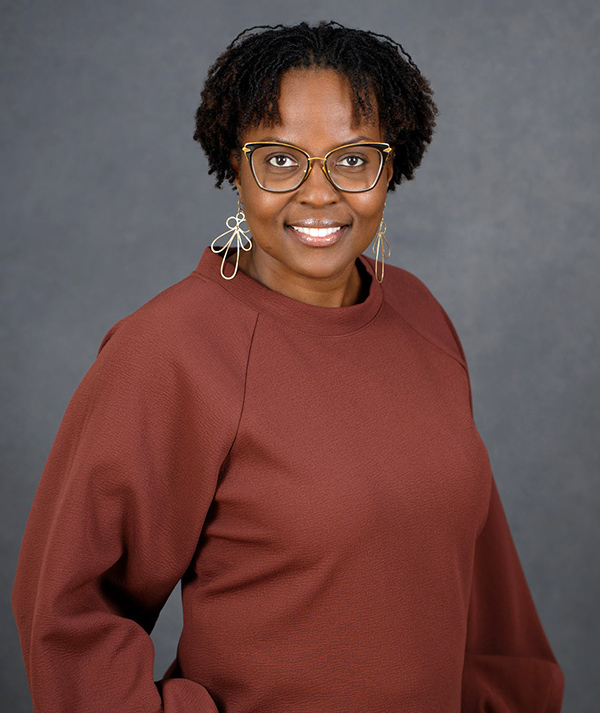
314 479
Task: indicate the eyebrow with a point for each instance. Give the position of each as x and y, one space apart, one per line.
354 140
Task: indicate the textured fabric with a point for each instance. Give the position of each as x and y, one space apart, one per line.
314 478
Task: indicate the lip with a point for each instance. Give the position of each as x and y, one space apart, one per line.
318 240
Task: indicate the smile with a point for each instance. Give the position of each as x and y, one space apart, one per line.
317 237
316 232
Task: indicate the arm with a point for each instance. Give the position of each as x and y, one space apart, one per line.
114 526
509 666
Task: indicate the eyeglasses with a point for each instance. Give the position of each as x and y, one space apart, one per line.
280 168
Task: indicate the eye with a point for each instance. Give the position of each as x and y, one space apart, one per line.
351 161
282 160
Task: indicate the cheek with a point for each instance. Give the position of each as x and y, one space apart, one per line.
264 213
370 207
264 206
255 200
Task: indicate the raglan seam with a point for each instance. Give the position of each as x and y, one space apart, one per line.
237 428
434 344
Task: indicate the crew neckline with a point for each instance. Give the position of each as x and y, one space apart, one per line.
299 315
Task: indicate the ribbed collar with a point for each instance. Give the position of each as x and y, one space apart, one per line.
299 315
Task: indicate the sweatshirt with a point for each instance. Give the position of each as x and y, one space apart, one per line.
313 479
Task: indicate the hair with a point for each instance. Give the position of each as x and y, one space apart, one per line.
242 88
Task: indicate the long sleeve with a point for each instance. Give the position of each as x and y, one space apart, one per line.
116 521
509 665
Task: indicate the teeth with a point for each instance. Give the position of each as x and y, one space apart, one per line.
316 232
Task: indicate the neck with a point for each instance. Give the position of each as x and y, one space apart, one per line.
340 291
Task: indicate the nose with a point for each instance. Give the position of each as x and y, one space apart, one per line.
317 189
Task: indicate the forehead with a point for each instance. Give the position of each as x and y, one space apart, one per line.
317 106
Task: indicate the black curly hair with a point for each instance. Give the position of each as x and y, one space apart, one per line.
242 88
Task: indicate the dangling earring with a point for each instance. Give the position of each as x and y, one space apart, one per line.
234 223
382 247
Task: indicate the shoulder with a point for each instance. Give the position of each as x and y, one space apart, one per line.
191 317
412 300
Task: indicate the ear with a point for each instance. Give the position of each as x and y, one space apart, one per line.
389 167
235 157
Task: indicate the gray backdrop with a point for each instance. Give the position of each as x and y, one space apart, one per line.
106 201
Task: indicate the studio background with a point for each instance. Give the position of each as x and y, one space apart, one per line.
106 201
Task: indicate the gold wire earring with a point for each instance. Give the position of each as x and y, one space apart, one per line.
234 224
382 247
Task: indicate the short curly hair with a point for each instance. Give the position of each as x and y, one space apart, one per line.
242 89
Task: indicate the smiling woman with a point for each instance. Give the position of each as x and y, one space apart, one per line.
293 441
308 236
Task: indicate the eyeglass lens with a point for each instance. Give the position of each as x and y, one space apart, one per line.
351 168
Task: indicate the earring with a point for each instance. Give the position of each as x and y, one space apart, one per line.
234 223
382 247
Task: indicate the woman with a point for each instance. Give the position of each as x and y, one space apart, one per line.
288 432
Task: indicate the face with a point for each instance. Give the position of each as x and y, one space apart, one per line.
317 115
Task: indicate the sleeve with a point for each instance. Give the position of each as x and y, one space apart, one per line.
509 666
114 525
